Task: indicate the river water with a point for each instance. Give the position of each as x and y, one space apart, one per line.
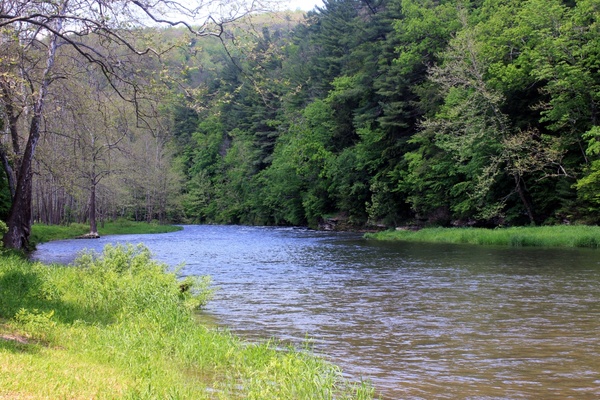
420 321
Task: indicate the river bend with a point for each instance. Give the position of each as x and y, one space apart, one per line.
420 321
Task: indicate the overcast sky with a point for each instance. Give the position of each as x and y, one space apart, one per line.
305 5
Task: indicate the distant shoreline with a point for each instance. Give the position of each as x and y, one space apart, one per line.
568 236
42 233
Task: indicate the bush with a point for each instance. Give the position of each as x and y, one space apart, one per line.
124 280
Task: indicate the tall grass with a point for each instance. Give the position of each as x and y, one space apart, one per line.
544 236
120 326
41 233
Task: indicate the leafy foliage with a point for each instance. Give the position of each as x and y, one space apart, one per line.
384 112
401 111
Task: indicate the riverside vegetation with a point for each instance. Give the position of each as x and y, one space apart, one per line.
41 233
545 236
385 113
118 325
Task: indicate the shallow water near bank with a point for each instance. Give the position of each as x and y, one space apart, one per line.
418 320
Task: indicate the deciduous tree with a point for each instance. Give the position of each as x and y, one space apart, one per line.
44 31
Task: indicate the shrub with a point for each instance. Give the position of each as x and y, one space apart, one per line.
126 280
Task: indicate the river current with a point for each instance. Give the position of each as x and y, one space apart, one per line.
420 321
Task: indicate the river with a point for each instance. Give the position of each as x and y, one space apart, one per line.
420 321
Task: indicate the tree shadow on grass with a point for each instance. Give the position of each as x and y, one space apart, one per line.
23 289
17 344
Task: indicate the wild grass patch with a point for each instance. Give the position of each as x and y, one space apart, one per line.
544 236
41 233
120 325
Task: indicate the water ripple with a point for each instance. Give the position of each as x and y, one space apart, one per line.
419 321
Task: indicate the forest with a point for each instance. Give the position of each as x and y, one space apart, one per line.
364 113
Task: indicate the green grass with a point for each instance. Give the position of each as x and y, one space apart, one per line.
41 233
544 236
120 327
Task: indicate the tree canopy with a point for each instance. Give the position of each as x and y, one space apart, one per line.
47 44
374 112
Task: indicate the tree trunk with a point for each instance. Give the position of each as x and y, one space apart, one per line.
525 199
19 217
13 120
10 175
93 225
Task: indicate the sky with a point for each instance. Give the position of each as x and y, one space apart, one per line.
305 5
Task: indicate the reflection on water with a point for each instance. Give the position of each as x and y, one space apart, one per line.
419 321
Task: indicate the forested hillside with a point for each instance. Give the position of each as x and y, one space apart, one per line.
379 112
403 111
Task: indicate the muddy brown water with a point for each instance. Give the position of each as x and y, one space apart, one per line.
420 321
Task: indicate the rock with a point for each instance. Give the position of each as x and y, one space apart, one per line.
408 228
91 235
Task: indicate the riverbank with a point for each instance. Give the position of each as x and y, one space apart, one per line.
543 236
41 233
123 327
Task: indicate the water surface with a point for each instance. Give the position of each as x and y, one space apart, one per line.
420 321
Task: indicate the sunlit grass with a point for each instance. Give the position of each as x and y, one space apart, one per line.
543 236
41 233
38 372
121 327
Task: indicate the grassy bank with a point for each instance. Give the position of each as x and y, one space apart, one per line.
41 233
120 326
544 236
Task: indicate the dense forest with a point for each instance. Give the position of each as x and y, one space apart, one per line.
366 112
